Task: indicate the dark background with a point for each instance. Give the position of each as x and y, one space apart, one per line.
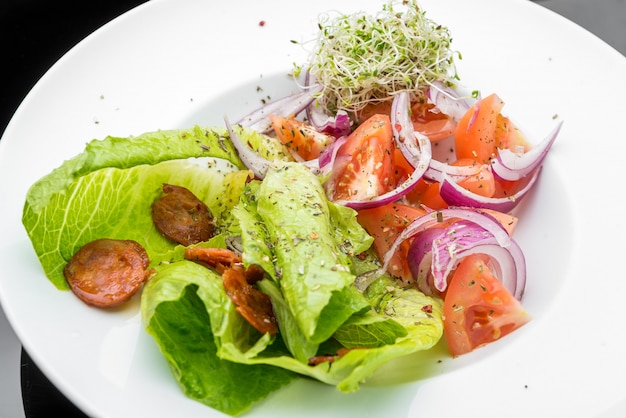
34 34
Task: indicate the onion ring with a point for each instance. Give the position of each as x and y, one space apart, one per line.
455 195
512 166
285 106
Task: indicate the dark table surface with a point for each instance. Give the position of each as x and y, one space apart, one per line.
34 34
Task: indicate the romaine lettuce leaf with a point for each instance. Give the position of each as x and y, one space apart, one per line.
369 330
107 191
148 148
289 228
174 308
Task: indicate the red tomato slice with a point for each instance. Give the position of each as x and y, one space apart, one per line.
366 160
426 119
506 188
300 137
477 308
481 183
508 136
385 223
426 193
508 221
483 129
402 170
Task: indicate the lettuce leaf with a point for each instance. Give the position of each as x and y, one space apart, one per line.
116 152
177 319
304 242
108 190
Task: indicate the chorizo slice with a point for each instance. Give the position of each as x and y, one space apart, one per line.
223 258
254 305
181 216
218 258
107 272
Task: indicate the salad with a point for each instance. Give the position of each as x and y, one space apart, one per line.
369 217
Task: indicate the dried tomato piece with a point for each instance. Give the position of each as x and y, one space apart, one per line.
315 360
254 305
219 258
254 273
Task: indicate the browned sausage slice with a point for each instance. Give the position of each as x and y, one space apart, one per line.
219 258
107 272
254 305
181 216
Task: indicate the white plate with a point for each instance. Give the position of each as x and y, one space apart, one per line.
173 63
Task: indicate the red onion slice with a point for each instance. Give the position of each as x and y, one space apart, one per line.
483 220
323 165
336 126
438 170
436 252
327 157
455 195
447 100
420 258
414 146
458 237
285 106
251 159
512 166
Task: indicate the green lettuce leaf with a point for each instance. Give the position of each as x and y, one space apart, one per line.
174 308
148 148
108 190
305 243
369 330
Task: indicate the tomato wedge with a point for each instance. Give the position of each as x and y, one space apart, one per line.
300 137
477 307
364 164
481 183
427 119
483 129
426 193
385 223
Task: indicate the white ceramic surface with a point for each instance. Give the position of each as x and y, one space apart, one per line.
170 64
